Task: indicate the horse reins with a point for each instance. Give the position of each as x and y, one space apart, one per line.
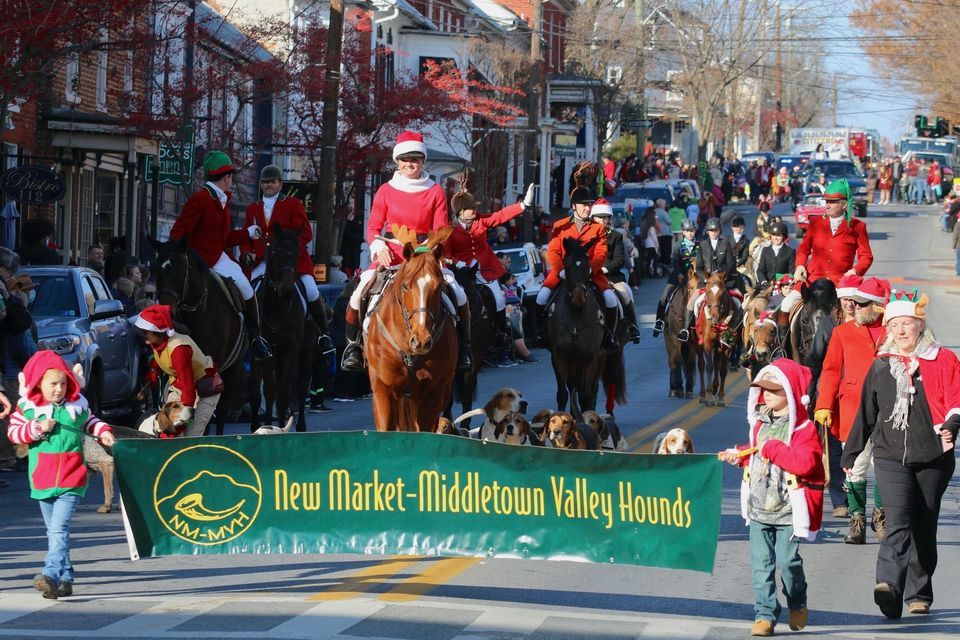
437 326
180 303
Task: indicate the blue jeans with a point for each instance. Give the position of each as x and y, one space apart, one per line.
771 547
958 260
57 514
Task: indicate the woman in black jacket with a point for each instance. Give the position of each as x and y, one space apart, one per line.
910 407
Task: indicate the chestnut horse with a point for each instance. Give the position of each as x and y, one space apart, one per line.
719 321
411 342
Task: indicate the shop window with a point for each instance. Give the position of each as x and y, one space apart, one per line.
106 208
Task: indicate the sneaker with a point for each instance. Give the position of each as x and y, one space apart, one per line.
843 511
857 534
799 618
917 607
46 586
527 358
878 522
65 589
763 628
888 600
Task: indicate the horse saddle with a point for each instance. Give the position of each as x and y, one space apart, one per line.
230 290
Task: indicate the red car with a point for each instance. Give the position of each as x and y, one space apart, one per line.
812 204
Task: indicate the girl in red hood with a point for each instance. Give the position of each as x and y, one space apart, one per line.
781 496
53 418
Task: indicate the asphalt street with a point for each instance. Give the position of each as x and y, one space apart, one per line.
370 597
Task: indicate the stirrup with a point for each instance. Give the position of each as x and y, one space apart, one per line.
260 349
326 344
352 357
658 327
464 361
683 335
633 333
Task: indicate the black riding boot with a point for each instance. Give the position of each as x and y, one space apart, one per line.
464 361
540 322
684 334
319 314
609 327
630 317
353 352
259 349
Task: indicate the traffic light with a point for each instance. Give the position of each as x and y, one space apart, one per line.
943 127
920 122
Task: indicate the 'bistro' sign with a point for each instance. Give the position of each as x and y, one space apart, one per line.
32 185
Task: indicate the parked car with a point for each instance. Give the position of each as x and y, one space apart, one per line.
527 265
820 173
929 156
78 318
769 156
791 162
633 198
811 205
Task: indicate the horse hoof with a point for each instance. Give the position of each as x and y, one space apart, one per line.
703 401
689 395
104 508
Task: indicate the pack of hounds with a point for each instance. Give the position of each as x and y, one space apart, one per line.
504 421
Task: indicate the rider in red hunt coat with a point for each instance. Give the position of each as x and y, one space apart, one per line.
468 244
275 208
412 199
582 227
205 223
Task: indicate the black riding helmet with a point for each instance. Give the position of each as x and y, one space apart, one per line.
778 229
713 224
688 225
582 195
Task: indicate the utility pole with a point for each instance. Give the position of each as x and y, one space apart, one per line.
189 39
641 59
778 143
836 98
327 174
533 112
763 31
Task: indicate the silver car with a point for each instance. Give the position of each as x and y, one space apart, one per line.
78 318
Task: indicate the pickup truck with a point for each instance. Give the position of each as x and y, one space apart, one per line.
78 318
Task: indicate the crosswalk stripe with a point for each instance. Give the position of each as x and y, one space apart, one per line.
366 579
436 573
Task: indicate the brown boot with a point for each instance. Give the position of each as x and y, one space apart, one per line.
799 618
763 628
857 534
878 521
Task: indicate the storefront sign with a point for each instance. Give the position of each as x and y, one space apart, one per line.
176 157
306 192
417 494
32 185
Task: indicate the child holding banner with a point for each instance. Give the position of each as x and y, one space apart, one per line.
53 418
781 496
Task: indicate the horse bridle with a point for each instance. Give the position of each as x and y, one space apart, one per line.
180 300
436 328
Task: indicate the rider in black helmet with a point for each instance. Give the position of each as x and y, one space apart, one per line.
778 257
681 260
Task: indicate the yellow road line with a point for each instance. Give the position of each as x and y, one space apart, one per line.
437 572
366 579
679 417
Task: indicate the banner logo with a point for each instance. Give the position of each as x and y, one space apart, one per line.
207 494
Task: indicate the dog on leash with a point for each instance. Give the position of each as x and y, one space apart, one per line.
563 432
446 427
607 430
504 401
165 423
673 442
100 458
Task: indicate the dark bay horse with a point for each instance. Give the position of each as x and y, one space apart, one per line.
576 333
411 341
286 376
719 325
681 356
481 336
188 286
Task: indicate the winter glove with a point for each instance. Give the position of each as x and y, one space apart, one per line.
528 198
254 232
800 273
825 417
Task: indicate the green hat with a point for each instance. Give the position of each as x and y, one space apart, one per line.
217 164
840 190
271 172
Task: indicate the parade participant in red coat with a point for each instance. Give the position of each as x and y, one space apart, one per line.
851 351
413 200
468 244
835 244
205 223
582 227
194 379
275 208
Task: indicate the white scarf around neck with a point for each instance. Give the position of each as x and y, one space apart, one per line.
411 185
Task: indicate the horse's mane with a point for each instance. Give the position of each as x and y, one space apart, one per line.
822 295
194 257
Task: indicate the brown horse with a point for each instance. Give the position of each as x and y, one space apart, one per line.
187 284
411 343
681 356
719 321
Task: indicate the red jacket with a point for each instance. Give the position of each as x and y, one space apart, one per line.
829 255
421 211
464 245
289 213
850 353
598 251
206 225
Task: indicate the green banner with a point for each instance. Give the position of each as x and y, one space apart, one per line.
417 494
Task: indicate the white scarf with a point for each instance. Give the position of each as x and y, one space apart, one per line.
411 185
